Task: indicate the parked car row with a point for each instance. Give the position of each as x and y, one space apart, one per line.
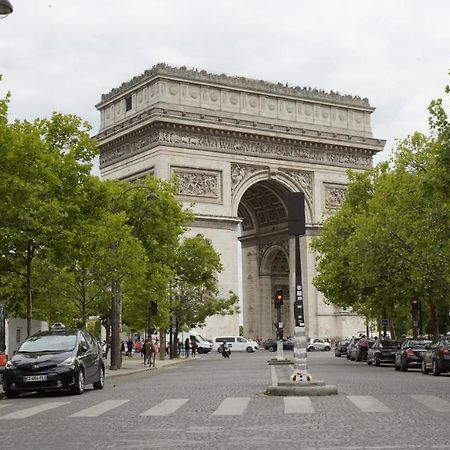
425 354
312 345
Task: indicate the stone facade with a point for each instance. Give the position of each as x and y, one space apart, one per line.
238 146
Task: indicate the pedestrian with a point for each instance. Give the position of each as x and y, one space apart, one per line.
363 345
194 346
186 348
130 348
138 347
151 353
179 346
146 351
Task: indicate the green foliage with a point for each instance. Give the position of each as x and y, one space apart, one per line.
390 243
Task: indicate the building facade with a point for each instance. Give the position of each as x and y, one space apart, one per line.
238 146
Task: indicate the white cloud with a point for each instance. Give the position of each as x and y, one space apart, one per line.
62 55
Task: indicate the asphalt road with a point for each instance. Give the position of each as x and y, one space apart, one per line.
214 403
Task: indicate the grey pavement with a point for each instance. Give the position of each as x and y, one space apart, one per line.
214 403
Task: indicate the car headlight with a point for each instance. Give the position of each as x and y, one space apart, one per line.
10 366
68 362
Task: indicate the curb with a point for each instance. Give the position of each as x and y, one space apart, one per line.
301 391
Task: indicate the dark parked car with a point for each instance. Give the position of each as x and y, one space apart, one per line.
271 344
409 355
55 360
437 357
382 352
353 341
341 348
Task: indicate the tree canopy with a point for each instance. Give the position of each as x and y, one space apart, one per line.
389 243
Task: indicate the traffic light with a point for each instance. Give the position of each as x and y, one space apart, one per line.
415 305
279 297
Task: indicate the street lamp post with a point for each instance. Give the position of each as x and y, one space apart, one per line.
5 8
116 300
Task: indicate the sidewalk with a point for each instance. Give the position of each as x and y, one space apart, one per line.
136 365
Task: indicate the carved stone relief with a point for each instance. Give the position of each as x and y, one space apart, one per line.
296 151
241 172
334 196
305 179
203 184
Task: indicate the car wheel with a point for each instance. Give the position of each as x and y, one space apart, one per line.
424 368
101 380
377 361
436 371
271 349
79 383
338 355
249 350
311 349
403 366
369 362
396 367
327 349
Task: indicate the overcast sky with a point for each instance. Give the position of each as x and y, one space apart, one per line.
61 55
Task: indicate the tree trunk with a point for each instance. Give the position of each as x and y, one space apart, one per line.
29 259
162 345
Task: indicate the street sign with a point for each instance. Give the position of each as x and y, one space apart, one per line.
384 322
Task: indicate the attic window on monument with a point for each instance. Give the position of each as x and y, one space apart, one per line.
128 103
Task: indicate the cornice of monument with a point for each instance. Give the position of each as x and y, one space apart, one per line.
261 86
352 154
248 128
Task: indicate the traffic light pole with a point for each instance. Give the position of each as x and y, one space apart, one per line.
300 364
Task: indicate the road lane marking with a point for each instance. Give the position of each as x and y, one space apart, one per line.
432 402
98 410
369 404
28 412
298 405
233 406
166 407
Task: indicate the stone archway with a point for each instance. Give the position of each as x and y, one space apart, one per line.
237 147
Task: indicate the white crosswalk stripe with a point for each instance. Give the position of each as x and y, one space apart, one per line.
432 402
232 406
298 405
166 407
28 412
368 404
101 408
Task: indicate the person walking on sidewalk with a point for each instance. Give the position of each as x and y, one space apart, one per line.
194 347
146 351
186 348
130 346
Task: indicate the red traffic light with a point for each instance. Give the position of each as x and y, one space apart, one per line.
279 297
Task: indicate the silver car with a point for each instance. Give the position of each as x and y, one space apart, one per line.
316 344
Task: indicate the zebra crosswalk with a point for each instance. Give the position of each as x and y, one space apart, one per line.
230 406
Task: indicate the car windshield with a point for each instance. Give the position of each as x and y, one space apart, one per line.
49 343
389 344
418 344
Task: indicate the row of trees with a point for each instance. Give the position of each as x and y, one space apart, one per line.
389 243
63 233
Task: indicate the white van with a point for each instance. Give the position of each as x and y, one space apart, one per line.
235 343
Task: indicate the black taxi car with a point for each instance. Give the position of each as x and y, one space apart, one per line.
62 359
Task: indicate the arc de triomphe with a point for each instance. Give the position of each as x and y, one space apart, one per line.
238 146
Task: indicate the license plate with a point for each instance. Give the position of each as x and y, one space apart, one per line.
35 378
